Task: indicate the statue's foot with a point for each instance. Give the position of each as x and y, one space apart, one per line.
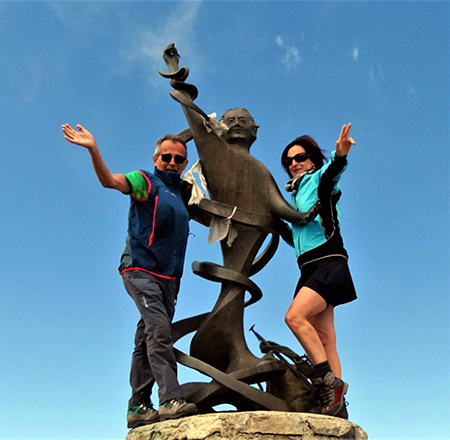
234 388
262 370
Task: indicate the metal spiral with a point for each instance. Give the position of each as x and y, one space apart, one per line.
233 386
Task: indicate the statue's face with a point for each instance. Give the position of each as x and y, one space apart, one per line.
240 125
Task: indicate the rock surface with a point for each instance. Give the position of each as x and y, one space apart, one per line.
255 425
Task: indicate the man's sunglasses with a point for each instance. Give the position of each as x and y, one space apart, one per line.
168 157
299 157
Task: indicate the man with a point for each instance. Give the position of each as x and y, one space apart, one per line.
151 267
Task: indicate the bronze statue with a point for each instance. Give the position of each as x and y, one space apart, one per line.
243 189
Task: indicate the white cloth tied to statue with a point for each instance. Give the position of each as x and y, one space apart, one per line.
219 227
196 194
218 127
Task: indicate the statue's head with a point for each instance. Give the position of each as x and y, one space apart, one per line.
242 128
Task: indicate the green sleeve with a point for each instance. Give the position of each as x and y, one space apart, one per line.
139 184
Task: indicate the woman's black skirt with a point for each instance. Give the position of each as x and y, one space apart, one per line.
330 278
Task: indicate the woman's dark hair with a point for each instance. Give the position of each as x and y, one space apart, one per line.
310 145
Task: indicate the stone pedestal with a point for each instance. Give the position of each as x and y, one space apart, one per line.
255 425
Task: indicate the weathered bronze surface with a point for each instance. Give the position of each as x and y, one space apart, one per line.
240 186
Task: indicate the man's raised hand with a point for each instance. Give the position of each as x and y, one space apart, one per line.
81 136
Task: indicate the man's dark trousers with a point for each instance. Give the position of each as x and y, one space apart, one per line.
153 357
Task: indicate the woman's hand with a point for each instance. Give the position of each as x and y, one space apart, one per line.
344 143
81 137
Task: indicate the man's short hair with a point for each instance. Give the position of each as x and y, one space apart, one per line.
169 137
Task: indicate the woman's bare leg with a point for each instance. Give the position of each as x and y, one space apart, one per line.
305 306
312 322
324 325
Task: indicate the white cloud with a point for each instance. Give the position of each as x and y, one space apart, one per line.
412 90
147 45
79 16
139 44
35 74
376 74
291 55
381 72
355 54
279 41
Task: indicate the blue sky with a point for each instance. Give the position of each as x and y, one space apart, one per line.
67 324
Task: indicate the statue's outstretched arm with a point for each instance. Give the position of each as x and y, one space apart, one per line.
283 210
209 142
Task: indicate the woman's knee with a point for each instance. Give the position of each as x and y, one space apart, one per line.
294 320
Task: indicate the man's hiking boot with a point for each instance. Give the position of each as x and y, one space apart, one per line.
331 392
176 408
141 415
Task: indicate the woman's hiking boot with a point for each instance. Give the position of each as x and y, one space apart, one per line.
331 391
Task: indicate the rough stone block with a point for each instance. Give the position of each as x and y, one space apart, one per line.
254 425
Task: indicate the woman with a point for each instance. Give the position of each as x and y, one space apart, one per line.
325 280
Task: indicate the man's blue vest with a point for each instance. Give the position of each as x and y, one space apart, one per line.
158 227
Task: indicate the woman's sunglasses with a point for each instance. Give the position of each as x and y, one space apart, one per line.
168 157
299 157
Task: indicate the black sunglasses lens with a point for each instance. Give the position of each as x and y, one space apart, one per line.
168 157
300 157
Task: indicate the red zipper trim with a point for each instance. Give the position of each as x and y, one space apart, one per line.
151 273
150 241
